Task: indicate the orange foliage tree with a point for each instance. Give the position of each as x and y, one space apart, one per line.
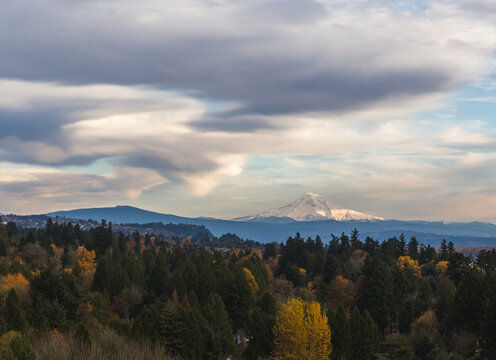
342 291
17 282
301 332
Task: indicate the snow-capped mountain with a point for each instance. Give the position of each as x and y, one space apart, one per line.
312 207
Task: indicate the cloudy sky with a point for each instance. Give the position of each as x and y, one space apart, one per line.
226 108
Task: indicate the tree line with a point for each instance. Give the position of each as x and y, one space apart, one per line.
225 297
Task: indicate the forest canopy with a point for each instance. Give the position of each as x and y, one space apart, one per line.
68 291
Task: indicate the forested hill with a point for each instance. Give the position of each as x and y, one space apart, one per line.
276 229
68 293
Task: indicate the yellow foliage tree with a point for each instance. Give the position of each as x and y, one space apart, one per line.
406 262
87 264
301 332
252 283
442 267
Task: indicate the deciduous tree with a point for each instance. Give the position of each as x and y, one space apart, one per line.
302 332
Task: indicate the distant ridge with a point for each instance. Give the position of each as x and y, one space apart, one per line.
278 229
120 214
311 207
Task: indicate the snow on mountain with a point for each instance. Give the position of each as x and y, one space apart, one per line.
312 207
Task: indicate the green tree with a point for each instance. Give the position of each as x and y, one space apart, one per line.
147 324
373 336
341 335
66 257
489 330
160 281
444 303
56 300
240 299
377 292
183 331
219 338
13 314
471 299
260 328
413 250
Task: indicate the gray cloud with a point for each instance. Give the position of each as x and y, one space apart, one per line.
270 58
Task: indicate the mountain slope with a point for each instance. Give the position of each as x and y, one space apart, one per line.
311 207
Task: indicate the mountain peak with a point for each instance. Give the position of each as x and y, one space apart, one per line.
312 207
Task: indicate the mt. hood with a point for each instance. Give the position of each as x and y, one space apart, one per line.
312 207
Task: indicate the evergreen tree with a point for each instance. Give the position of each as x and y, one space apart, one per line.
219 338
471 298
12 229
443 251
373 339
240 299
13 314
377 292
413 250
4 245
160 280
402 245
183 331
489 330
444 303
147 324
260 328
66 257
341 335
451 249
101 281
359 348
